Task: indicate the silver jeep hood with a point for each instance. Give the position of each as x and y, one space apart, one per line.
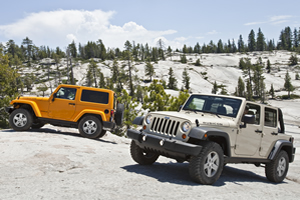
204 119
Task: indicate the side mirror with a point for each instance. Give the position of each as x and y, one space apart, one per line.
54 96
179 108
247 119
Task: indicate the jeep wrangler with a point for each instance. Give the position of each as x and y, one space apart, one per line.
92 110
210 131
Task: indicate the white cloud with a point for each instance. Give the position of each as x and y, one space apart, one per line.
61 27
279 19
213 32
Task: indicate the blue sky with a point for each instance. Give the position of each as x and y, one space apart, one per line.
59 22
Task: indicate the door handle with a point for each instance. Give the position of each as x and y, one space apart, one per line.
258 131
273 133
72 104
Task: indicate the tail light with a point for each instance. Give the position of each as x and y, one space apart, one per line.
112 112
292 140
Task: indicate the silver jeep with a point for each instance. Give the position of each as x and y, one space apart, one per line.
209 131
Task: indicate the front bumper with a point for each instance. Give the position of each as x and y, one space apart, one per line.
9 109
164 145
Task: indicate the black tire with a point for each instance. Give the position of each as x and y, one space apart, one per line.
37 125
20 119
90 127
119 114
141 156
277 169
102 133
207 167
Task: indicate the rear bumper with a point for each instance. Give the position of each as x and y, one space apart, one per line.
108 126
164 145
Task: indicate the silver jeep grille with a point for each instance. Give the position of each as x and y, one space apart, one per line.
164 126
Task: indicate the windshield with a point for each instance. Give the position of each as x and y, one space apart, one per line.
213 104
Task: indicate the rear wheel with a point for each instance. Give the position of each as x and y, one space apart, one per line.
37 125
141 156
277 169
20 119
207 167
90 127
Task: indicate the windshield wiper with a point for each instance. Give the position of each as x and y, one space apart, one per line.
211 113
188 109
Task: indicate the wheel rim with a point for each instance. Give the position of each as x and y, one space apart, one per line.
211 164
281 166
20 120
89 127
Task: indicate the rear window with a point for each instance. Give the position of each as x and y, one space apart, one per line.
94 96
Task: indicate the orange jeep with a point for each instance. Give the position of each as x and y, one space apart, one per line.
92 110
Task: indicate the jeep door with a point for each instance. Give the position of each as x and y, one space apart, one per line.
270 130
249 138
62 106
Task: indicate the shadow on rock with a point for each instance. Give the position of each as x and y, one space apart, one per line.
58 132
178 173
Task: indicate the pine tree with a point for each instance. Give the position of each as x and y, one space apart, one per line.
272 92
233 49
183 59
293 60
130 110
73 50
197 63
176 102
128 57
172 80
268 66
186 79
28 48
149 70
260 44
220 48
117 77
251 41
241 45
156 99
8 87
297 77
92 73
197 48
240 88
296 39
102 80
288 84
215 88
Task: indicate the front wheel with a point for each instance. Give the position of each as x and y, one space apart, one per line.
207 167
90 127
141 156
277 169
20 119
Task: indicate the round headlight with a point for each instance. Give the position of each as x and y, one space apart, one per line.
186 126
149 119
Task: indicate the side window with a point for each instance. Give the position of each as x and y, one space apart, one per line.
270 117
252 109
66 93
94 96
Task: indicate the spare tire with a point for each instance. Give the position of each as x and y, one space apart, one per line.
119 114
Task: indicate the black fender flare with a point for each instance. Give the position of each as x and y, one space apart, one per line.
199 133
282 144
138 120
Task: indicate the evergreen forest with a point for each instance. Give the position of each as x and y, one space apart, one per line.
26 69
